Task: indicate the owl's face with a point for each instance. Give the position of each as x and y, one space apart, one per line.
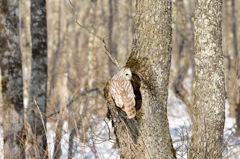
126 74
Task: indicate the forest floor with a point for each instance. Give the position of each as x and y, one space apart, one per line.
180 126
100 140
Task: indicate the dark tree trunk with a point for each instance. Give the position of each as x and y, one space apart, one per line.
38 88
12 83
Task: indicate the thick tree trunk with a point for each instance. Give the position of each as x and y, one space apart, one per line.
209 99
147 135
12 83
38 88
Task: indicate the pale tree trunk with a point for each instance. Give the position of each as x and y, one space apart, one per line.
90 55
237 63
60 84
112 43
62 102
237 14
25 39
183 40
56 54
92 13
147 135
129 26
12 83
229 32
38 87
209 100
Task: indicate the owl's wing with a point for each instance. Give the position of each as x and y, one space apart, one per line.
128 98
129 107
118 100
129 90
115 92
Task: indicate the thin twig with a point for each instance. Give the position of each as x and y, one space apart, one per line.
19 138
35 102
113 60
75 98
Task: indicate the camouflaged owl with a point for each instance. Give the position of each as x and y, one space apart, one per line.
121 90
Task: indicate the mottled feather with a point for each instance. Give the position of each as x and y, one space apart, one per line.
122 92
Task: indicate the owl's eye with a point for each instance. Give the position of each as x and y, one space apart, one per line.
127 74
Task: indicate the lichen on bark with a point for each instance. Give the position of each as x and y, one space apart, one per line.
209 90
11 70
38 86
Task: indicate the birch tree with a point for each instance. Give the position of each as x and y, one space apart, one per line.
147 135
12 83
38 88
209 100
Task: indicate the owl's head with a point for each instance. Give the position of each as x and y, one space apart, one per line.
125 74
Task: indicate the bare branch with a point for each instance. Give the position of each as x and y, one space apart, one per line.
113 60
35 102
75 98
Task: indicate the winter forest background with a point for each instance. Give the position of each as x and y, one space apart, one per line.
61 112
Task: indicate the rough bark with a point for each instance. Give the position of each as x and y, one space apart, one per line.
209 100
147 135
38 86
12 83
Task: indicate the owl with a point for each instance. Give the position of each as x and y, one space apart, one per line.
121 90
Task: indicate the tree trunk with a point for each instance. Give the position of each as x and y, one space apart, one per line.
237 69
12 83
183 41
25 38
112 44
62 109
92 14
229 34
147 135
38 88
209 99
57 54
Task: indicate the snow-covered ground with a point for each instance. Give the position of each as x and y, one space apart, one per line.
180 129
180 126
100 140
